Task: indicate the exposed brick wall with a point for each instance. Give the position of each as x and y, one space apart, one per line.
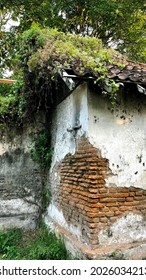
85 200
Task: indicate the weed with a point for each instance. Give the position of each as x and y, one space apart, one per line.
41 153
41 244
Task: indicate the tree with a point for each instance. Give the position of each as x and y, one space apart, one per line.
116 22
119 23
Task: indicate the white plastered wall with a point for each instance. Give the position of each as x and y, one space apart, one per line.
70 113
120 134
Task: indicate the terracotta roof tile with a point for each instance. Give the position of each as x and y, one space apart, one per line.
132 72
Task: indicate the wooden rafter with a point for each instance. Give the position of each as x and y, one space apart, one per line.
7 81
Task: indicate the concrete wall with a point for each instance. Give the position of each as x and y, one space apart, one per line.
120 134
71 113
98 170
20 179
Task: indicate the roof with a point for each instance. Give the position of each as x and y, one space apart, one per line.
132 72
83 56
76 58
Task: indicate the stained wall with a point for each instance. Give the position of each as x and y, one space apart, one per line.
20 178
97 176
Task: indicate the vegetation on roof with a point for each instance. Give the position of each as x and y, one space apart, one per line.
42 53
56 50
45 52
121 23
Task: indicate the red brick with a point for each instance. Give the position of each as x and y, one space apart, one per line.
112 190
118 213
111 204
98 205
140 207
123 190
132 203
113 219
119 195
92 214
129 198
93 168
139 193
113 209
94 182
92 220
103 219
103 191
121 199
92 195
79 192
73 201
80 206
123 208
93 190
139 198
109 214
108 199
93 159
104 172
95 215
96 177
131 193
99 186
91 209
83 184
91 151
84 198
92 225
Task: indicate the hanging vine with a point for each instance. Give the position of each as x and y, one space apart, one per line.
42 53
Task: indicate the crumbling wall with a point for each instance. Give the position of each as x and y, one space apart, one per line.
20 178
98 170
90 208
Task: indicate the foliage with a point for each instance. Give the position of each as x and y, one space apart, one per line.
42 54
40 244
12 102
118 22
59 51
6 105
41 153
46 197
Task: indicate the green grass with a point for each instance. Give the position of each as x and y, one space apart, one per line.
40 244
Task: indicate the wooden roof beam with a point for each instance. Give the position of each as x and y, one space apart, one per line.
7 81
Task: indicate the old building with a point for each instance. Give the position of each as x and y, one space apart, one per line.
98 172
